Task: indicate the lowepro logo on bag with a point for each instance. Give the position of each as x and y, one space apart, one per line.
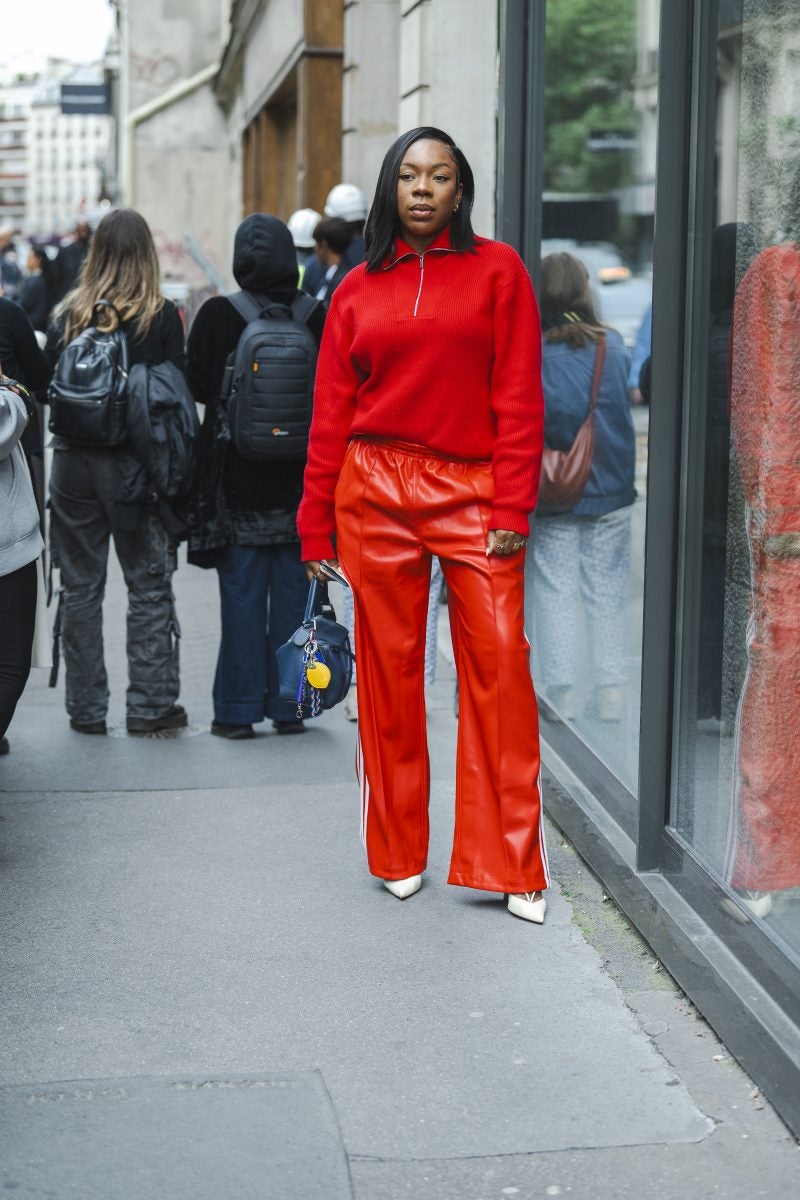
88 394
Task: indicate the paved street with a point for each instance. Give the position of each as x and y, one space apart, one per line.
205 993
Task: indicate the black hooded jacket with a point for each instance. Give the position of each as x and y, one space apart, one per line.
264 262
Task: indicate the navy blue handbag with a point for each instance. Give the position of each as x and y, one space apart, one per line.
318 652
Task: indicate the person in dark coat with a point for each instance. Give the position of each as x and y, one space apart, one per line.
332 236
38 292
345 202
245 526
23 360
69 262
20 356
10 274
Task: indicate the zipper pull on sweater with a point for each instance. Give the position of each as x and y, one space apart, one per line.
421 277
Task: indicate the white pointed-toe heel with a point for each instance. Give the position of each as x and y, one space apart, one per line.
526 907
403 888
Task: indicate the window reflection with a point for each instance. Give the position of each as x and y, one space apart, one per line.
764 844
585 570
737 765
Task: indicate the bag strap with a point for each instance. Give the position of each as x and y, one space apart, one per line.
246 305
599 360
251 305
310 602
304 307
325 604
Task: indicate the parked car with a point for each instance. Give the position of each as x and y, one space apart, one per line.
621 297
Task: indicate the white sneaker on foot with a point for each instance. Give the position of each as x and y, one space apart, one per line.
403 888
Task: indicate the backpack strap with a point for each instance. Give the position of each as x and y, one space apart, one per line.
304 307
597 373
247 305
250 306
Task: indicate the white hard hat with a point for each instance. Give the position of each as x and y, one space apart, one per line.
346 201
302 225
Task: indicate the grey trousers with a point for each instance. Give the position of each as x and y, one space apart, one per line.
579 569
82 490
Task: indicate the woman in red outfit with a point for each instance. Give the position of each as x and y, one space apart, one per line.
426 440
763 854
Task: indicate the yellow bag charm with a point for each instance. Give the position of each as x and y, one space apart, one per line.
318 675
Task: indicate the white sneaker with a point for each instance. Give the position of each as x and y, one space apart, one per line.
351 705
527 907
403 888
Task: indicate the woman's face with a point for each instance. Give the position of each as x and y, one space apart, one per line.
32 261
427 192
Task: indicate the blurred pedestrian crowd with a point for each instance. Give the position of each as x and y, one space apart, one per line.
38 274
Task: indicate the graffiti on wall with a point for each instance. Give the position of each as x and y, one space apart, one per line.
157 72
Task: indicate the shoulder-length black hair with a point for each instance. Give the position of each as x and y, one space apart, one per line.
383 223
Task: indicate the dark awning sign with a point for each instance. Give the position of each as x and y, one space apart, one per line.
85 99
600 140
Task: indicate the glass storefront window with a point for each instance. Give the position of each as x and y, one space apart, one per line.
585 568
736 773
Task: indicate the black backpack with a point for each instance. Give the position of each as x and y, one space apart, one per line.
268 385
88 394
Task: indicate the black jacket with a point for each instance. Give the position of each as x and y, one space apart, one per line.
314 274
21 359
20 355
69 261
35 298
265 262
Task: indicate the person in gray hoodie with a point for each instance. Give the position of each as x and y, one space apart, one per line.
20 547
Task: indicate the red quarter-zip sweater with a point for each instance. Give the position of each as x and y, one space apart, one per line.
442 349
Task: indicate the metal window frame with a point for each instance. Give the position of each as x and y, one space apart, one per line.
520 128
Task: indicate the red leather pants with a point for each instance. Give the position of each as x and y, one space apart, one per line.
764 850
396 507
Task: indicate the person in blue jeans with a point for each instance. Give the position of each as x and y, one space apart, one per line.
245 526
578 572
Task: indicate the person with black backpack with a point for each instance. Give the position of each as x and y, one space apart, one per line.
251 360
115 322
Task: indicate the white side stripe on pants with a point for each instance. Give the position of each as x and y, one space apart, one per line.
361 775
542 843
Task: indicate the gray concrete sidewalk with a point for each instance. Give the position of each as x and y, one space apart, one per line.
201 982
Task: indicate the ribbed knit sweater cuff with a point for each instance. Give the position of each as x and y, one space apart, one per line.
511 519
314 549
